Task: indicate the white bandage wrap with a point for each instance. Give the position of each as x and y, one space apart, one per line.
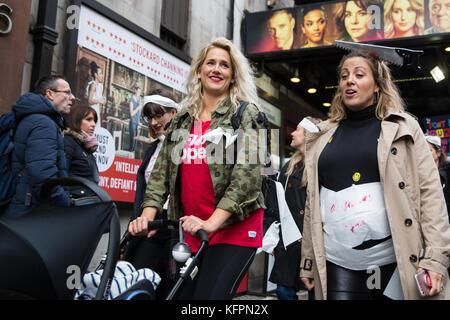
350 217
308 125
162 101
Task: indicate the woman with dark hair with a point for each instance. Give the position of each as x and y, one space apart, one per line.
94 91
358 20
159 108
79 145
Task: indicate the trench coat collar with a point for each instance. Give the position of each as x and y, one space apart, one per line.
393 127
326 127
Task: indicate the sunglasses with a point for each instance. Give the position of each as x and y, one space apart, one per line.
67 92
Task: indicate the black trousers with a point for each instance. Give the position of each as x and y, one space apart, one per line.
345 284
220 272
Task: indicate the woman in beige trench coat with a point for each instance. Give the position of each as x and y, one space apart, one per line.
416 222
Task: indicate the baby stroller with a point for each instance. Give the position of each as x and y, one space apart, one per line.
44 252
180 252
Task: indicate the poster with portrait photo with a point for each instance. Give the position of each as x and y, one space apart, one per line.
114 70
437 16
403 18
316 25
352 20
272 31
359 20
87 61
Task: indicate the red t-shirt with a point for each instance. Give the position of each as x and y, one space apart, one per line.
197 196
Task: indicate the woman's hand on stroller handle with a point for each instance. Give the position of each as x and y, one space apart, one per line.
193 224
145 225
140 226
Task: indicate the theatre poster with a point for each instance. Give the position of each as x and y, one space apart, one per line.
127 61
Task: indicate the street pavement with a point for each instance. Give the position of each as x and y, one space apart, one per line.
302 295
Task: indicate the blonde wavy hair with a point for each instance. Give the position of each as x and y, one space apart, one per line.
242 89
417 6
388 99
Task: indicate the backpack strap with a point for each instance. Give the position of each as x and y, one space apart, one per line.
237 116
181 120
179 123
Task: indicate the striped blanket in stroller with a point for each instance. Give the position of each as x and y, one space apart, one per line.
125 276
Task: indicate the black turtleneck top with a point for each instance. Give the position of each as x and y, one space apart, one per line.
350 157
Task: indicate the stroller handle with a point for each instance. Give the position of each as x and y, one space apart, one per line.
202 235
158 223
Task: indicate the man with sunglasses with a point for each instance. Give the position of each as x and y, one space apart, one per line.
39 143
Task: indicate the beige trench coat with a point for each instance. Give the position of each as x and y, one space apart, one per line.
414 203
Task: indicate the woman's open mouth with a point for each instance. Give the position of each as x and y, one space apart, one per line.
350 93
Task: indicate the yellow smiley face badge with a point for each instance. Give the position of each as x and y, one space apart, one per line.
356 176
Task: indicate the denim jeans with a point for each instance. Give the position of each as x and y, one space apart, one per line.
133 131
286 293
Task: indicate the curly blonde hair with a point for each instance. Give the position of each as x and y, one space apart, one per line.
242 89
389 99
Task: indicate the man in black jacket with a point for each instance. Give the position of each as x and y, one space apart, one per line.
39 144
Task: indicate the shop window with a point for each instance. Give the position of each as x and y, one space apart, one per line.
174 22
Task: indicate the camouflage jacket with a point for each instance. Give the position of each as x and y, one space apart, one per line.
237 183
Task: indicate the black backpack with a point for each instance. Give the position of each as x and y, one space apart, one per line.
7 178
236 123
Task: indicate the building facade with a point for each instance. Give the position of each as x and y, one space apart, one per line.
45 39
151 44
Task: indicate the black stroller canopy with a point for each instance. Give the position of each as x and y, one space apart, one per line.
37 249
